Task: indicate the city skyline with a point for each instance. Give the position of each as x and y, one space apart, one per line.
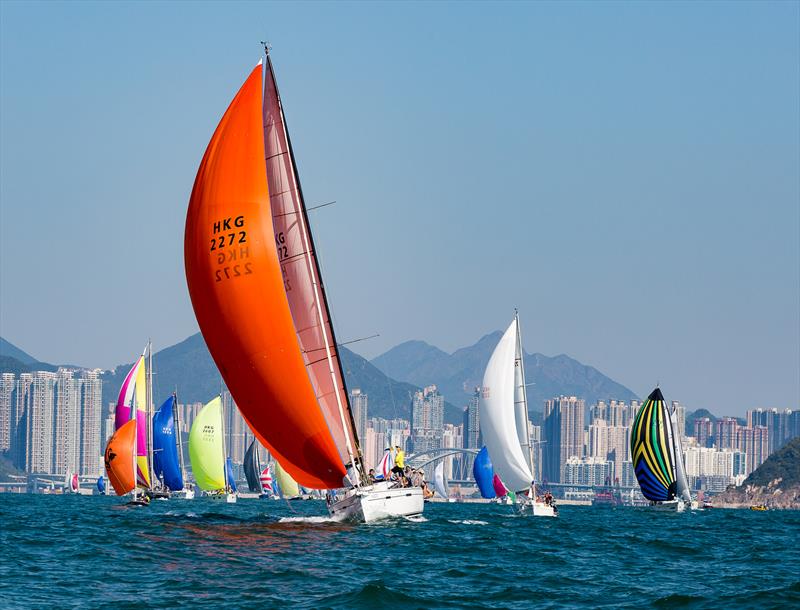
611 163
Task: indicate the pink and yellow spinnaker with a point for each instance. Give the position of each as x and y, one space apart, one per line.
133 393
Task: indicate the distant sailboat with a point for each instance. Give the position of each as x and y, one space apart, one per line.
255 285
657 456
504 421
132 406
168 465
207 452
266 481
252 468
101 485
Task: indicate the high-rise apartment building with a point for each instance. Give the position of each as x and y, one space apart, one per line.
358 402
704 431
7 384
67 423
472 426
91 461
40 414
19 421
754 443
726 431
780 424
564 434
427 419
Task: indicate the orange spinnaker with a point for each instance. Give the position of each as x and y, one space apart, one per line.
119 458
239 299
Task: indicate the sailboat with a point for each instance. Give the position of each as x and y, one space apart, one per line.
252 468
101 485
657 456
210 464
126 454
255 284
503 412
168 465
266 481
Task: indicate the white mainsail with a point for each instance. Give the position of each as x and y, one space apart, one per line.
498 415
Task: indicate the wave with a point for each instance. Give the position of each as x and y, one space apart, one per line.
468 521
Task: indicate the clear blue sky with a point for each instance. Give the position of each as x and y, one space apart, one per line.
624 173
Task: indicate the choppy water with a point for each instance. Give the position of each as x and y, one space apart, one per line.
72 551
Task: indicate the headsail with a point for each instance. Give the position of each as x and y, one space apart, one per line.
266 480
251 467
652 451
118 458
484 473
166 463
239 294
680 470
498 415
384 468
286 484
500 489
206 447
439 482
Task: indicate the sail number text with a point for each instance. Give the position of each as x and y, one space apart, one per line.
227 235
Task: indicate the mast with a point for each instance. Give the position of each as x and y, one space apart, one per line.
135 451
175 412
526 445
149 411
353 448
222 431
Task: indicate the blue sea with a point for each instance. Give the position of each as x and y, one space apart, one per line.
89 552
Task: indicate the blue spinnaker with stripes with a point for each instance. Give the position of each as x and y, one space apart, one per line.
166 463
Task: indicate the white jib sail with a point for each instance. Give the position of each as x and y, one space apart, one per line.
438 480
680 471
498 415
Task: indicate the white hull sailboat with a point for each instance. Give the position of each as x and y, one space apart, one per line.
256 288
505 425
657 456
378 501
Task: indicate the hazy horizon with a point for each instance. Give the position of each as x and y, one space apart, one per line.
626 174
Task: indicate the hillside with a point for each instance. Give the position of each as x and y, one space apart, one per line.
8 349
188 368
775 483
457 374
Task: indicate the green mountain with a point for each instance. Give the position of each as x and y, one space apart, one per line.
457 374
188 368
784 464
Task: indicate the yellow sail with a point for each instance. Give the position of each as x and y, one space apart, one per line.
207 447
140 390
287 484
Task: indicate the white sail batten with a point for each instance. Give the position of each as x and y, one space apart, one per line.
498 415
